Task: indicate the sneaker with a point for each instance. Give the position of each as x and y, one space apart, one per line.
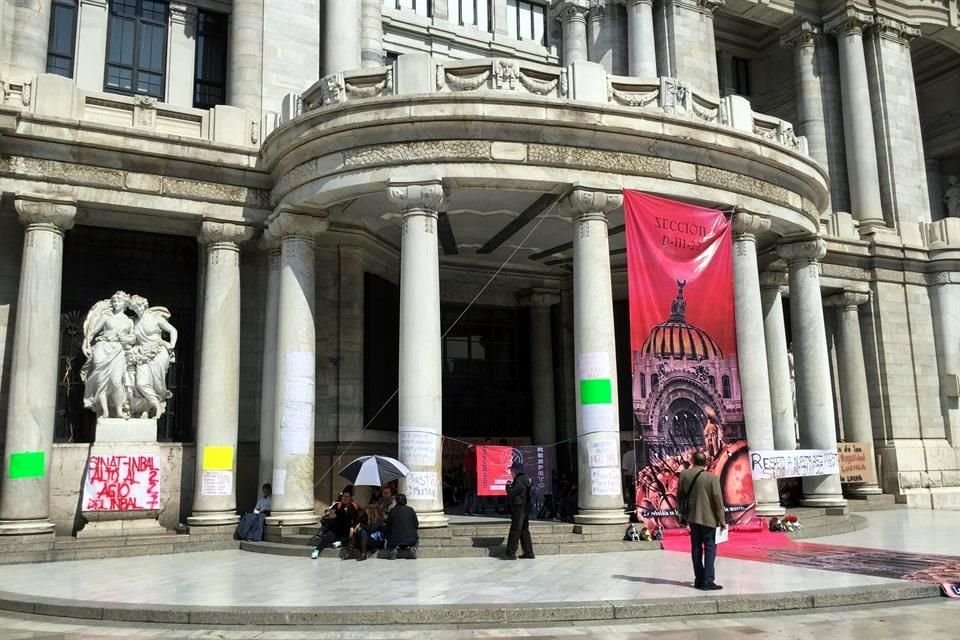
315 554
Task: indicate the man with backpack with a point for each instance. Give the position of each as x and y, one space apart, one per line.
700 506
520 499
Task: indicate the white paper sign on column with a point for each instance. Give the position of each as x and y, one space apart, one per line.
605 482
296 428
597 417
418 447
301 364
603 453
299 389
593 365
421 485
279 483
216 483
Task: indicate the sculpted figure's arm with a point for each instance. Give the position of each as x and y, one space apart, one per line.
170 329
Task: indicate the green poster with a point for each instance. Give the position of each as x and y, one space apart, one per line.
27 464
595 391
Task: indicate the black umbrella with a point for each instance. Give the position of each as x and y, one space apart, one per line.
374 471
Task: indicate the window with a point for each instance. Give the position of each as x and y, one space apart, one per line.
654 381
136 47
527 21
63 31
643 386
475 13
209 82
741 76
420 7
390 58
725 381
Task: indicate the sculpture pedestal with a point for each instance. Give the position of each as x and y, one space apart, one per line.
123 480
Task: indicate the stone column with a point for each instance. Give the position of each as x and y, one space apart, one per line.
600 497
371 33
25 484
182 54
420 396
573 17
540 302
218 397
806 43
778 364
861 147
296 370
605 41
935 190
245 56
268 376
814 396
91 45
642 47
752 352
851 371
28 40
341 44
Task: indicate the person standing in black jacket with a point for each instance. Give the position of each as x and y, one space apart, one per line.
520 499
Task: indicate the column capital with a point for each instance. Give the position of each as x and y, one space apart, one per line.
421 195
36 209
269 242
804 34
585 201
773 280
804 250
564 10
539 298
709 6
850 21
285 222
630 3
183 13
847 299
215 232
895 30
748 225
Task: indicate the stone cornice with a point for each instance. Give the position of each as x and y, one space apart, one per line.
42 210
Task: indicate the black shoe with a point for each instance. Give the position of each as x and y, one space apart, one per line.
711 586
527 556
697 584
509 556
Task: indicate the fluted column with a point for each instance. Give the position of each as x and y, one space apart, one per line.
371 33
29 39
806 43
245 51
25 484
641 44
778 363
861 147
296 370
852 373
935 189
268 377
573 18
218 397
421 388
752 352
341 44
600 494
818 428
540 302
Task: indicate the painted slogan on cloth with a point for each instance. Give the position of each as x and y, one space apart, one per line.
686 387
122 482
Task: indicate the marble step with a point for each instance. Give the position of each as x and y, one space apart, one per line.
478 541
839 524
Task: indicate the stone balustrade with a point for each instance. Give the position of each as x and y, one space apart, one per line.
584 81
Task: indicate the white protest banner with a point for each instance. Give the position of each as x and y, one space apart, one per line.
766 465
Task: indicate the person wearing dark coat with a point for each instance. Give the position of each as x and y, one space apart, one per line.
520 500
401 529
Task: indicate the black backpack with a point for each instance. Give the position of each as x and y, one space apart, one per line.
683 504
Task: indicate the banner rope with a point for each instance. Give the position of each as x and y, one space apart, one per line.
543 216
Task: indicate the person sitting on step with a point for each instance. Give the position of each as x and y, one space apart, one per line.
250 527
368 534
401 529
336 523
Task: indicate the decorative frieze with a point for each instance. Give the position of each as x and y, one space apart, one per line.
895 30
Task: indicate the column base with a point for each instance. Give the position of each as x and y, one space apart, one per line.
863 490
26 527
292 519
432 520
601 516
769 509
819 502
213 519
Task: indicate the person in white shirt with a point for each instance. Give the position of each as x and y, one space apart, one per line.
250 527
628 464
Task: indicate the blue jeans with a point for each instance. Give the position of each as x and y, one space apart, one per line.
704 552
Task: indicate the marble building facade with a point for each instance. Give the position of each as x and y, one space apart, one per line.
334 181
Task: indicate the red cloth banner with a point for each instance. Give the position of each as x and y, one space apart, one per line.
493 469
683 345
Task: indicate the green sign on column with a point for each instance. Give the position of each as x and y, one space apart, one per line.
27 464
596 391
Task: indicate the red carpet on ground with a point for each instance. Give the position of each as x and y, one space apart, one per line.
743 543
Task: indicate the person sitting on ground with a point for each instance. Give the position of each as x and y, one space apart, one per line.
387 501
401 529
368 534
336 523
250 527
